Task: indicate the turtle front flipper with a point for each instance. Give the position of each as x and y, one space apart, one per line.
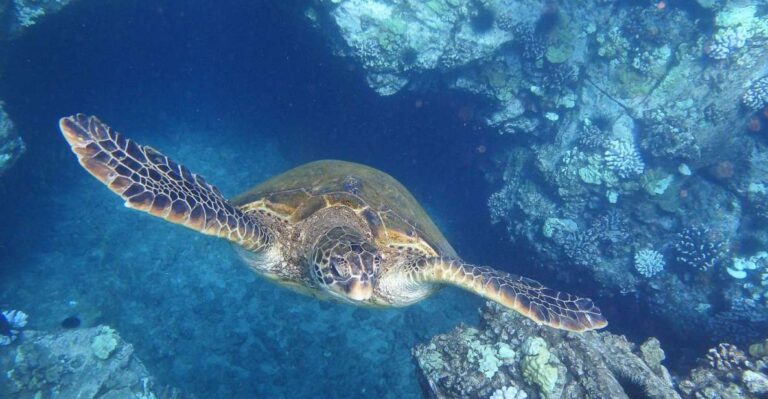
148 181
523 295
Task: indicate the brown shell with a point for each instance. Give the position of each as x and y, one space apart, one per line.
389 209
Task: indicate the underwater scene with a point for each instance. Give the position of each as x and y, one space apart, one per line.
501 199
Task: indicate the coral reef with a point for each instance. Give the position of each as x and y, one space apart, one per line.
395 41
554 364
756 97
104 343
11 324
623 159
744 320
629 107
26 13
728 372
648 262
699 248
539 366
738 28
67 365
537 362
510 392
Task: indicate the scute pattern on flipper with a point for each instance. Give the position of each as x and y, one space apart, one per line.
527 297
149 181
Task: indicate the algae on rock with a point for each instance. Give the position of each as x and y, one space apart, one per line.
539 366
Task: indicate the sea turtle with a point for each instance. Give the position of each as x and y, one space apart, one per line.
330 229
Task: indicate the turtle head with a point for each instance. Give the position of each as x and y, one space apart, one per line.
346 264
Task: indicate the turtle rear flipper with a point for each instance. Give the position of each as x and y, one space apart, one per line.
149 181
523 295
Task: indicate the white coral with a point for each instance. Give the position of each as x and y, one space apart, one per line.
622 158
510 392
486 358
16 318
649 262
756 97
28 14
726 41
737 27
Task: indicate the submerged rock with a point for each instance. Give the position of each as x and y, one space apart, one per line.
395 41
11 145
727 372
85 363
19 15
11 324
607 100
543 363
539 362
15 17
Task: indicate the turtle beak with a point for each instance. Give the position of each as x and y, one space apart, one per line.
358 290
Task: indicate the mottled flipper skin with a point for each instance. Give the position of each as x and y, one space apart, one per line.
328 228
148 181
523 295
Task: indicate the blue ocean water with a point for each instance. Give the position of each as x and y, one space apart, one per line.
240 91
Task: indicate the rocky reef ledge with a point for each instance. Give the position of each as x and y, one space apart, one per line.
11 145
16 16
509 357
85 363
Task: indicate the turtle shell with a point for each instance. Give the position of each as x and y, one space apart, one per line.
394 215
